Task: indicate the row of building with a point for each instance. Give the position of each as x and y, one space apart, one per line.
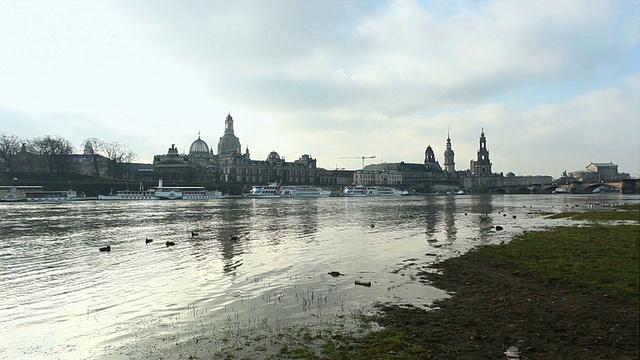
231 165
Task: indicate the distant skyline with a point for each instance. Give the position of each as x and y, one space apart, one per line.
554 84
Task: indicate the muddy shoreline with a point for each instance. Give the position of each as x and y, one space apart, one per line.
497 304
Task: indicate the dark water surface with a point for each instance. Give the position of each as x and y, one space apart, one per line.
255 264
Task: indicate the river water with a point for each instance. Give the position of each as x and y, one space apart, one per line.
254 265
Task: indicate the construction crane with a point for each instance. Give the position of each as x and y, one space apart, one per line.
358 157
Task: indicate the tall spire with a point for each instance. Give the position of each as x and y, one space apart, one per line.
449 163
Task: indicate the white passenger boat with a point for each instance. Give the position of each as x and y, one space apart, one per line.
562 190
275 190
165 193
303 191
354 191
360 191
36 194
385 191
130 195
187 193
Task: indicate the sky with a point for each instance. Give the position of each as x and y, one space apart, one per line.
555 85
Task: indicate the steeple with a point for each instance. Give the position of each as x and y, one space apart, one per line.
482 166
449 163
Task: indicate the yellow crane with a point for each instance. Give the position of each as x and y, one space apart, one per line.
358 157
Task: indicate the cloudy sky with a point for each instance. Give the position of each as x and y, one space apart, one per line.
554 84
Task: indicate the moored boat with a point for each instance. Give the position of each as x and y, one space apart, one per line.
605 189
354 191
130 195
36 194
165 193
275 190
361 190
385 191
562 190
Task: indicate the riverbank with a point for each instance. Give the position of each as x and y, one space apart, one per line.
565 293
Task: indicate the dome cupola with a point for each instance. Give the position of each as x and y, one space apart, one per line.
199 147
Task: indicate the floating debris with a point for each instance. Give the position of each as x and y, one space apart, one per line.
363 283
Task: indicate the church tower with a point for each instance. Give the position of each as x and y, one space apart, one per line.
430 161
482 166
449 164
229 142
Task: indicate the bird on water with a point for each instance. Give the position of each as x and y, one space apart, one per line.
105 249
170 243
147 241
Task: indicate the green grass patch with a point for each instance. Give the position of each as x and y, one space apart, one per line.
602 257
629 207
389 343
598 215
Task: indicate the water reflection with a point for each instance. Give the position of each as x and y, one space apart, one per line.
482 215
432 213
450 218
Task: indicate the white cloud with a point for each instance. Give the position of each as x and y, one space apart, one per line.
332 79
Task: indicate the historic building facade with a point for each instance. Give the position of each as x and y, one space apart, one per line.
427 176
230 165
377 177
480 177
599 172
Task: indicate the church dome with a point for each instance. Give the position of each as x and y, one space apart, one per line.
199 147
429 151
273 156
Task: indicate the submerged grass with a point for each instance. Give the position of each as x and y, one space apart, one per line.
598 216
629 212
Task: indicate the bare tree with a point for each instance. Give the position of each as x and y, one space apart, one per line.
9 148
118 155
55 150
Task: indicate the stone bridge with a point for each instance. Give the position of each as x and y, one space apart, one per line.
629 186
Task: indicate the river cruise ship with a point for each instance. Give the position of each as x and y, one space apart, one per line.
362 191
275 190
36 194
166 193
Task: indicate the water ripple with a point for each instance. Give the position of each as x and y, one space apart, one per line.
252 261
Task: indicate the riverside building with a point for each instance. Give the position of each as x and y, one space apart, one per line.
231 165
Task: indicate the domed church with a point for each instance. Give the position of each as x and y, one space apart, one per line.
231 165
